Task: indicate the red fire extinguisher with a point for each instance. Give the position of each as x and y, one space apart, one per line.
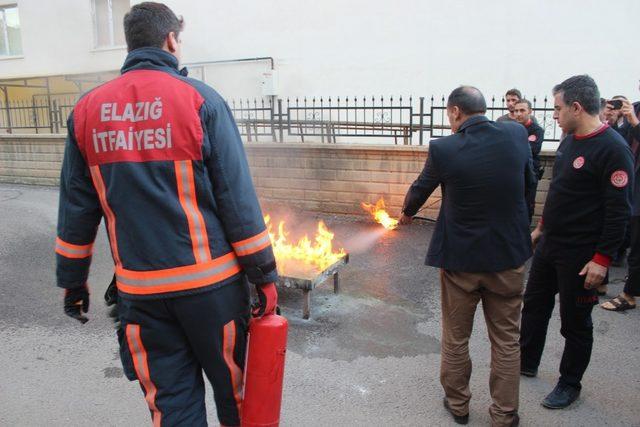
264 371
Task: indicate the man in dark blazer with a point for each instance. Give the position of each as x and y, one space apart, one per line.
481 242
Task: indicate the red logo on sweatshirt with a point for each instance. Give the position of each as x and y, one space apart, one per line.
619 179
578 162
532 138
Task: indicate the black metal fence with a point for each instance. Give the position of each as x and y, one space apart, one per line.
397 120
40 114
394 119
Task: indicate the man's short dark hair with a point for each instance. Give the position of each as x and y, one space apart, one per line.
581 89
620 97
525 101
514 92
148 24
468 99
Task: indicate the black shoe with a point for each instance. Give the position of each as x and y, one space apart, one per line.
459 419
516 421
528 372
561 397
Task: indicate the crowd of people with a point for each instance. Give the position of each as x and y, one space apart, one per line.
623 117
489 172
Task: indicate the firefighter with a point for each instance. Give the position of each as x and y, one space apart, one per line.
582 227
535 135
159 156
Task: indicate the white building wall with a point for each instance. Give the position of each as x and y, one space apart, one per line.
366 47
57 38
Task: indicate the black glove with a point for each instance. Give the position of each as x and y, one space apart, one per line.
76 302
111 299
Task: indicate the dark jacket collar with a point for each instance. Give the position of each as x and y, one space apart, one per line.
151 58
472 121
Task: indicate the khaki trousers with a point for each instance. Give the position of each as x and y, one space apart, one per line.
501 295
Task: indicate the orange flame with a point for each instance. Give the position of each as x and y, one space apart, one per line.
380 215
305 255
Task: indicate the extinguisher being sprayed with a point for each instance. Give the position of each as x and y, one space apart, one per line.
264 368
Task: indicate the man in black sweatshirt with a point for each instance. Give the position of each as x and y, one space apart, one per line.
631 131
535 135
582 227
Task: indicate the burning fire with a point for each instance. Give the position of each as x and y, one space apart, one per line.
316 255
380 215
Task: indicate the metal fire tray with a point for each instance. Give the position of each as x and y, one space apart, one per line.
309 284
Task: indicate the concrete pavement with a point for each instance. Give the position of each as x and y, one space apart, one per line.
368 357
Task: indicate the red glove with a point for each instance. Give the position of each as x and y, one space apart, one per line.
267 299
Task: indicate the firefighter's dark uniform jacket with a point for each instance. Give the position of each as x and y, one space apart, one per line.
159 155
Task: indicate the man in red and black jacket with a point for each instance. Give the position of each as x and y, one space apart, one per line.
159 156
583 225
535 135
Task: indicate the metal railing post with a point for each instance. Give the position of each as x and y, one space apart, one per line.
55 114
34 113
248 125
281 131
51 113
6 105
421 119
271 113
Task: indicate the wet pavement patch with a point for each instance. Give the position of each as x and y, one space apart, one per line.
113 372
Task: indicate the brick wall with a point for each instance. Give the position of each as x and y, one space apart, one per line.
336 178
31 159
315 177
547 158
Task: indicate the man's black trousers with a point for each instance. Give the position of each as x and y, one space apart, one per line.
632 285
554 270
166 344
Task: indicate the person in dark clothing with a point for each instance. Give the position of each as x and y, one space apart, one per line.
582 226
535 136
159 156
627 299
615 118
485 170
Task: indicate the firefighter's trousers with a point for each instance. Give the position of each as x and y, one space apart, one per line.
166 344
